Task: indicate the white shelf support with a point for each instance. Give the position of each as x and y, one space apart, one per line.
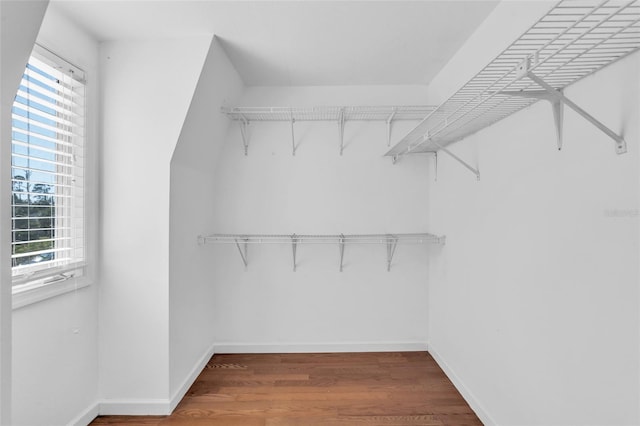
435 165
294 246
341 129
458 159
341 246
243 252
556 104
558 119
558 96
293 138
244 131
389 122
392 243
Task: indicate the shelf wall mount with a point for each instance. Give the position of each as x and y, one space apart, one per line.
244 132
557 99
391 241
243 251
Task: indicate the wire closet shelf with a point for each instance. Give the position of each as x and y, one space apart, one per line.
573 40
241 241
338 114
329 113
414 238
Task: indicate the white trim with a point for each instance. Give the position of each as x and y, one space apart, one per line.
135 407
47 291
191 378
228 347
53 60
468 396
75 269
87 416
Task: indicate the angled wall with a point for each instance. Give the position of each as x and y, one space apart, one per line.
147 87
19 25
193 166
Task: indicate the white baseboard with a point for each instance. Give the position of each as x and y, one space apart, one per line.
135 407
87 416
253 348
473 402
188 381
141 407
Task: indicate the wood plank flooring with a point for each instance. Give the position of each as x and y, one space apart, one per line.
332 389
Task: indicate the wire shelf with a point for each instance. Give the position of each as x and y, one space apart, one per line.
329 113
417 238
339 114
242 241
573 40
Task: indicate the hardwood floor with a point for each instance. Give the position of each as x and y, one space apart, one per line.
405 388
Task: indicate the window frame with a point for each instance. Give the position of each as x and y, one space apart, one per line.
49 282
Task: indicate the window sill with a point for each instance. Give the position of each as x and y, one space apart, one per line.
41 290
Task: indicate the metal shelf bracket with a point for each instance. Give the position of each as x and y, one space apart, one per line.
341 129
341 245
435 165
392 243
293 138
458 159
558 118
244 131
243 251
294 246
389 122
556 105
557 97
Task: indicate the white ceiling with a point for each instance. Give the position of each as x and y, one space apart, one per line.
301 42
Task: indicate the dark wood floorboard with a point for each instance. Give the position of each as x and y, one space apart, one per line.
386 389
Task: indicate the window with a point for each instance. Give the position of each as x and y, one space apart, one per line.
47 173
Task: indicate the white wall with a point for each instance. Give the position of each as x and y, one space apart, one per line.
147 87
19 25
55 341
534 300
55 369
191 294
269 307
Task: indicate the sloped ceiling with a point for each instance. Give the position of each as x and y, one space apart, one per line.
302 42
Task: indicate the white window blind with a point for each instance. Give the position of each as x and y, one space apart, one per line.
47 173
